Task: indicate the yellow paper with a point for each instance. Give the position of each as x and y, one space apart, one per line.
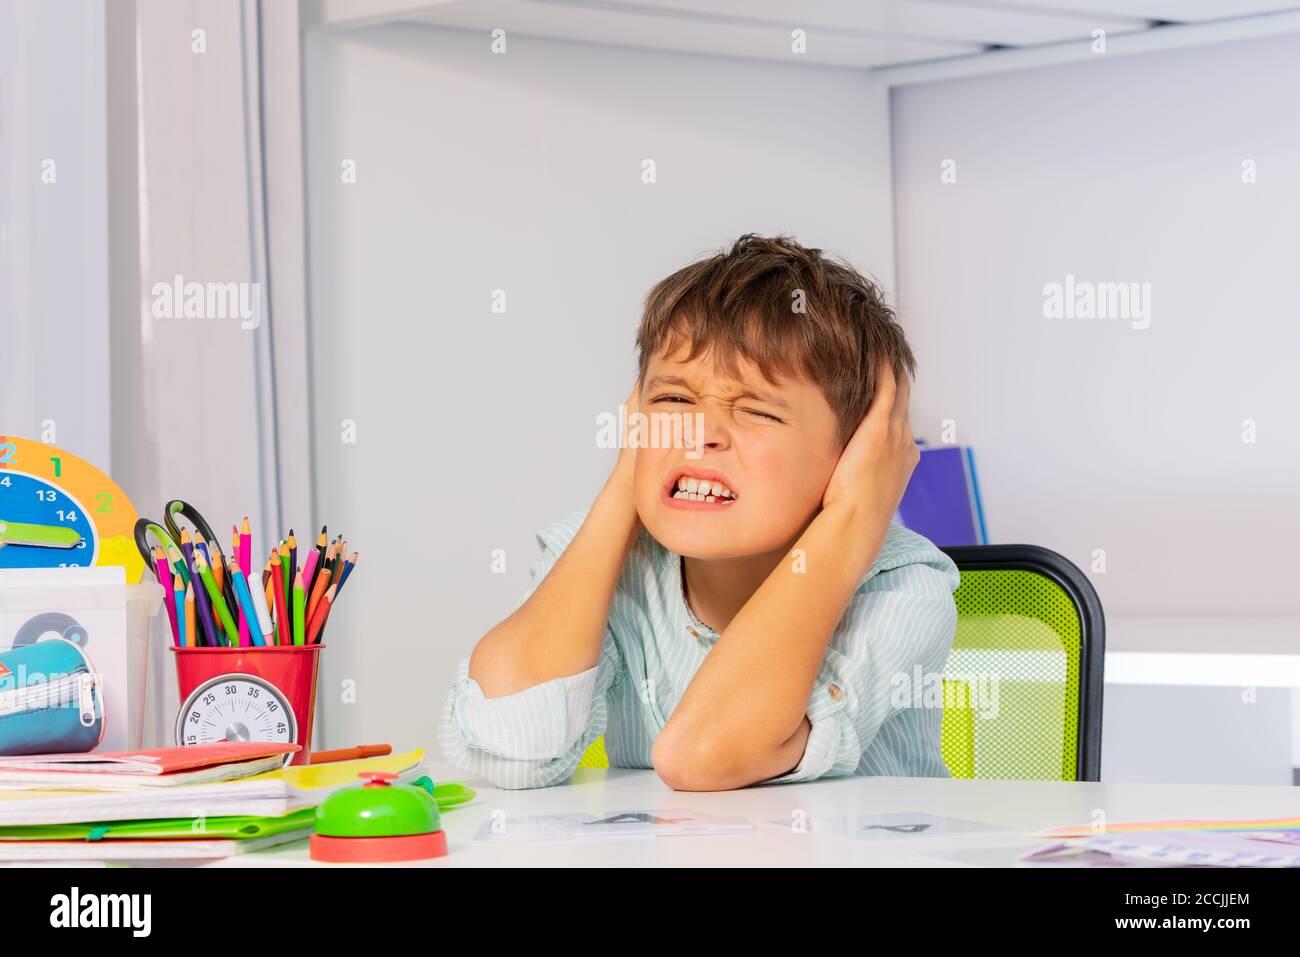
336 773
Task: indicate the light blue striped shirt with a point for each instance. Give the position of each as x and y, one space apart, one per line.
901 618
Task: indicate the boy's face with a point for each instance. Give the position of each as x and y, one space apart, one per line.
773 446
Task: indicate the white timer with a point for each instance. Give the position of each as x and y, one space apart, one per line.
236 707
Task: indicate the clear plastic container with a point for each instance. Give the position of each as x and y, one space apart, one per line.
112 625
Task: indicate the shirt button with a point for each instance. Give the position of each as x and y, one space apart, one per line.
835 691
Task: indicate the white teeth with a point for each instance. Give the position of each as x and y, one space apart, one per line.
702 490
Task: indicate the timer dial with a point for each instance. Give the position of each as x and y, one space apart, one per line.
236 707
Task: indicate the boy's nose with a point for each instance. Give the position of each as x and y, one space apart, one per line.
715 419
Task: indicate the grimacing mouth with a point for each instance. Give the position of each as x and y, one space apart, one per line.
686 486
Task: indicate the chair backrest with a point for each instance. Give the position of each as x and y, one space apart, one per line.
1023 683
1022 687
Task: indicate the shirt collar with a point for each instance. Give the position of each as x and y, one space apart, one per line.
677 586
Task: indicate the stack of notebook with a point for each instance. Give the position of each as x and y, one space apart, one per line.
173 803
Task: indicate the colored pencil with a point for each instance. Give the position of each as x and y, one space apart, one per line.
309 570
209 634
267 585
281 609
187 546
263 613
343 577
217 561
178 584
159 563
326 569
239 605
286 575
250 609
322 543
164 575
292 542
299 610
313 600
218 602
191 618
322 612
347 570
338 564
217 565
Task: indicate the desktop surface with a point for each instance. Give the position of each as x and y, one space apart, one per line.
1009 809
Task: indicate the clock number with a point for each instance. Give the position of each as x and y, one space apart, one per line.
209 698
66 516
105 503
46 495
272 707
254 691
194 717
7 450
58 467
281 728
5 482
231 689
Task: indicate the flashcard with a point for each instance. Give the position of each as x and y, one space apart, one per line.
672 822
879 827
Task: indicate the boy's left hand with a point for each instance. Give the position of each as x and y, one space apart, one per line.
877 463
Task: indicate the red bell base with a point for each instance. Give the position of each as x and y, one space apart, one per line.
377 850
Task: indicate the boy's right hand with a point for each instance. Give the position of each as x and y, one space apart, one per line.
626 464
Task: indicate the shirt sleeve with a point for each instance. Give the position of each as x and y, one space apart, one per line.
534 737
898 625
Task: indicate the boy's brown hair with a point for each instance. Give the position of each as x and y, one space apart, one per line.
743 301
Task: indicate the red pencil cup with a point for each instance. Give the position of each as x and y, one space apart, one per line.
288 670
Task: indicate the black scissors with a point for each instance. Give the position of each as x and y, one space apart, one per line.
169 538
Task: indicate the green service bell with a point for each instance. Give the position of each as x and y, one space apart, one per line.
377 821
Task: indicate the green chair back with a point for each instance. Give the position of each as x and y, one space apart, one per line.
1024 678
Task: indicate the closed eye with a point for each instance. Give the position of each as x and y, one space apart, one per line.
678 399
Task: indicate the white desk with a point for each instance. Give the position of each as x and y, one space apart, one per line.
1016 806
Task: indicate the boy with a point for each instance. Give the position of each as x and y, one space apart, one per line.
742 611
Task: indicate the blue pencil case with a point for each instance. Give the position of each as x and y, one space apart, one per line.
51 699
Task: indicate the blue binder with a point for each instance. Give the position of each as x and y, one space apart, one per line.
942 501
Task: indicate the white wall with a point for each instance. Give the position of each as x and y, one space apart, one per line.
1090 434
53 225
191 406
521 172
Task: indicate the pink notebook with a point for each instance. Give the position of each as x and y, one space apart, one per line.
148 767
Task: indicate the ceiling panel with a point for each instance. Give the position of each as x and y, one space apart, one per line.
656 29
915 19
1175 11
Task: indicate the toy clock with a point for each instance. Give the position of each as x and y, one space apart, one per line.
58 511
